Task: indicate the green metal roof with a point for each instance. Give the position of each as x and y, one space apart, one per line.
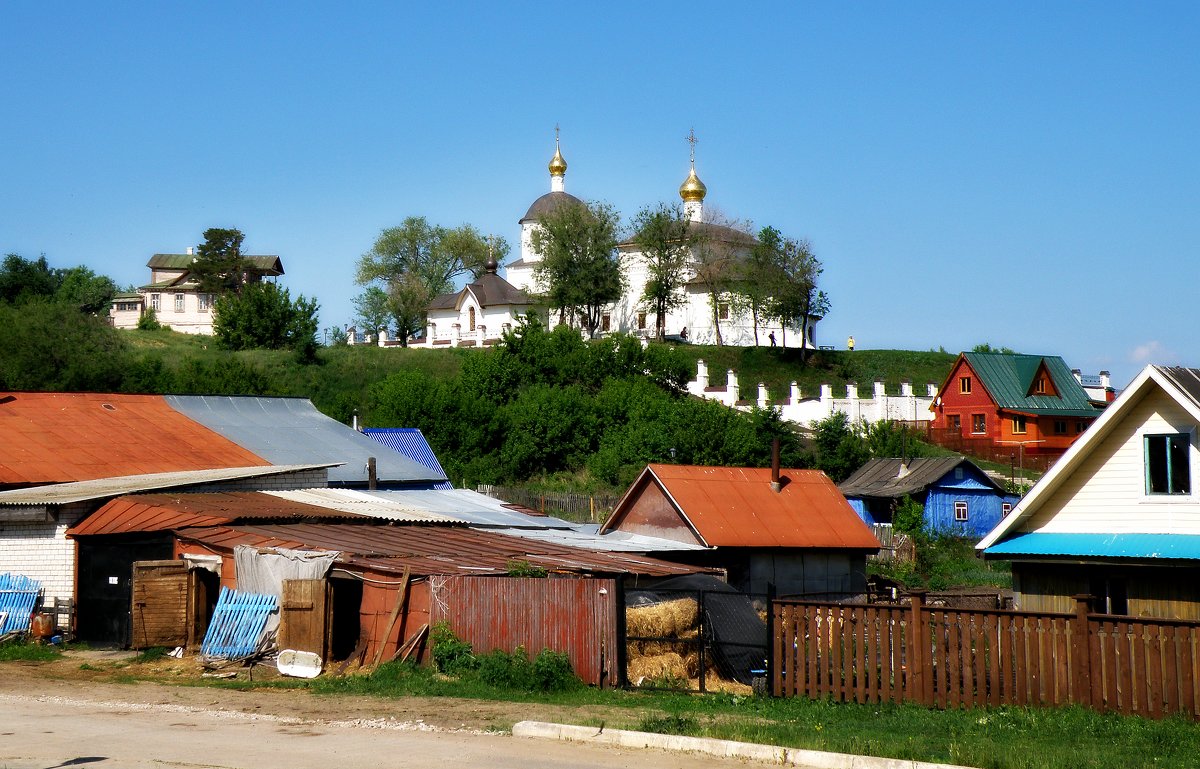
265 264
1009 379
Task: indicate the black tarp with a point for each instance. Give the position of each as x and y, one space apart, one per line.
736 635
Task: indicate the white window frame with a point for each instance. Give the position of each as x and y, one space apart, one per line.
156 302
180 303
961 514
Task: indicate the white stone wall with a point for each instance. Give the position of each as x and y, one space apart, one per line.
793 406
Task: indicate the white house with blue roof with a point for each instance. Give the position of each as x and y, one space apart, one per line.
1118 516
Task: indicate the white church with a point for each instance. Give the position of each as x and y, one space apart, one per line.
480 313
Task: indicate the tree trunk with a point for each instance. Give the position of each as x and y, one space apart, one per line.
754 321
716 312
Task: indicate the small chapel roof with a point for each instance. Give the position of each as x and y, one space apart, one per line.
548 204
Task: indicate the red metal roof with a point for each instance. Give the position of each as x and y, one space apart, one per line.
62 437
736 507
159 512
431 550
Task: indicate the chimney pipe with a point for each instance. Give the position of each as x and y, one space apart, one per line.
372 474
775 484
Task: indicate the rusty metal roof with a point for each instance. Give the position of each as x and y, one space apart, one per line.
99 488
736 507
59 437
160 512
439 550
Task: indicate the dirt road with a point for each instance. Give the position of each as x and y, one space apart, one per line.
59 722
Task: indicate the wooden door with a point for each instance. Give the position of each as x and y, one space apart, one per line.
159 610
303 616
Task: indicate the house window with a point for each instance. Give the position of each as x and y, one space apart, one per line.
723 311
1168 470
1039 386
978 423
205 301
1060 427
1109 595
960 511
956 422
964 385
471 318
1005 509
641 321
155 302
1018 425
179 303
1080 427
605 322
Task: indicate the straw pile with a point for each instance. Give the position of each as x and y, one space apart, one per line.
663 666
662 620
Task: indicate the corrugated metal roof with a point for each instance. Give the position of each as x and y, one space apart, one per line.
161 512
1009 379
1156 546
736 507
410 442
80 491
614 541
1187 380
383 505
431 550
292 431
470 507
881 477
60 437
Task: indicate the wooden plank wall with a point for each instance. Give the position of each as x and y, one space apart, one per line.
160 604
949 658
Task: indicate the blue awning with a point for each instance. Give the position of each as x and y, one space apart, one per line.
1161 546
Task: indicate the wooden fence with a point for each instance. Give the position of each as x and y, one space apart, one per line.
949 658
582 508
1032 459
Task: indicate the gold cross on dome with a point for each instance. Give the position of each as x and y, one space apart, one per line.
691 139
556 134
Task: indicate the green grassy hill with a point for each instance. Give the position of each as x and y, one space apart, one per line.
338 383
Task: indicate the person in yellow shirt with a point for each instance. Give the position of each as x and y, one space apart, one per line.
850 344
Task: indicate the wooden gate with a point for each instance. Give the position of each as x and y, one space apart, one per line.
304 616
160 604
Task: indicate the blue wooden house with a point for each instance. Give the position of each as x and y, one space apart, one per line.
959 498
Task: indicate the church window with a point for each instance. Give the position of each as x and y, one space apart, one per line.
641 321
723 311
471 318
605 322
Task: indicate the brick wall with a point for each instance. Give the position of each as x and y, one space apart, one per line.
41 551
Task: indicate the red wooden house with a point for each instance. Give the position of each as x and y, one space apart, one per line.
1032 402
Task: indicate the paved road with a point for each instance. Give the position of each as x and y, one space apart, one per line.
45 730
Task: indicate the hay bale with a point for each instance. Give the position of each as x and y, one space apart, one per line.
669 665
662 620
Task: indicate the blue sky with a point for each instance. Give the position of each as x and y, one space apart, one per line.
1024 174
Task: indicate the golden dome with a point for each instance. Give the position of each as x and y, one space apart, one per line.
558 166
693 190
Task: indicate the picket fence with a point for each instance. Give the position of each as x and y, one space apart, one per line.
948 658
18 596
238 626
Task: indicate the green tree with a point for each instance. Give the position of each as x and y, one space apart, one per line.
50 346
265 316
22 279
417 261
86 291
663 235
840 450
796 298
219 266
372 309
756 278
580 267
717 256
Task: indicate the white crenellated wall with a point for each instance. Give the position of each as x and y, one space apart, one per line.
907 406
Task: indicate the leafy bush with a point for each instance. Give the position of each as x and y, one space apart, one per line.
451 655
909 517
30 652
148 320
